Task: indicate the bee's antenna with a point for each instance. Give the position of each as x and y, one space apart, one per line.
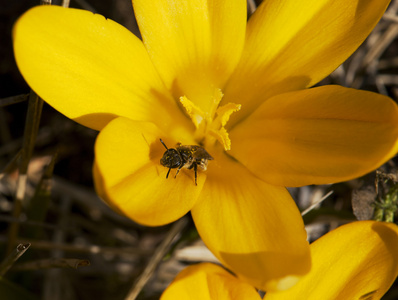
164 146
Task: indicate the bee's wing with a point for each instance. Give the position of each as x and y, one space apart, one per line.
200 153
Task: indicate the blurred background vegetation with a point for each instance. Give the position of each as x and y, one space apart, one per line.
74 246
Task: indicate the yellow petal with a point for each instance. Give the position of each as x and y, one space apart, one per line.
128 174
195 45
253 228
89 68
207 281
355 261
317 136
294 44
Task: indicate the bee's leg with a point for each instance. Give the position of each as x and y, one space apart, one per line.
195 167
178 171
167 176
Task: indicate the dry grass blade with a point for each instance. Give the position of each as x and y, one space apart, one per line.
251 6
157 257
37 208
13 100
86 198
12 165
13 257
86 5
71 263
89 249
306 211
31 128
65 3
381 45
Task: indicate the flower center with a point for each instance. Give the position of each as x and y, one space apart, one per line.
210 125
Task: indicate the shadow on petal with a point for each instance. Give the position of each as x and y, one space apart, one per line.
279 271
95 120
255 229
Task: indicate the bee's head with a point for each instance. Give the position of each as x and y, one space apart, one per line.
171 159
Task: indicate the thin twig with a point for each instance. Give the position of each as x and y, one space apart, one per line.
158 255
12 258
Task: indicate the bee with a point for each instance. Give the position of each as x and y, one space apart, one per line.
185 156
